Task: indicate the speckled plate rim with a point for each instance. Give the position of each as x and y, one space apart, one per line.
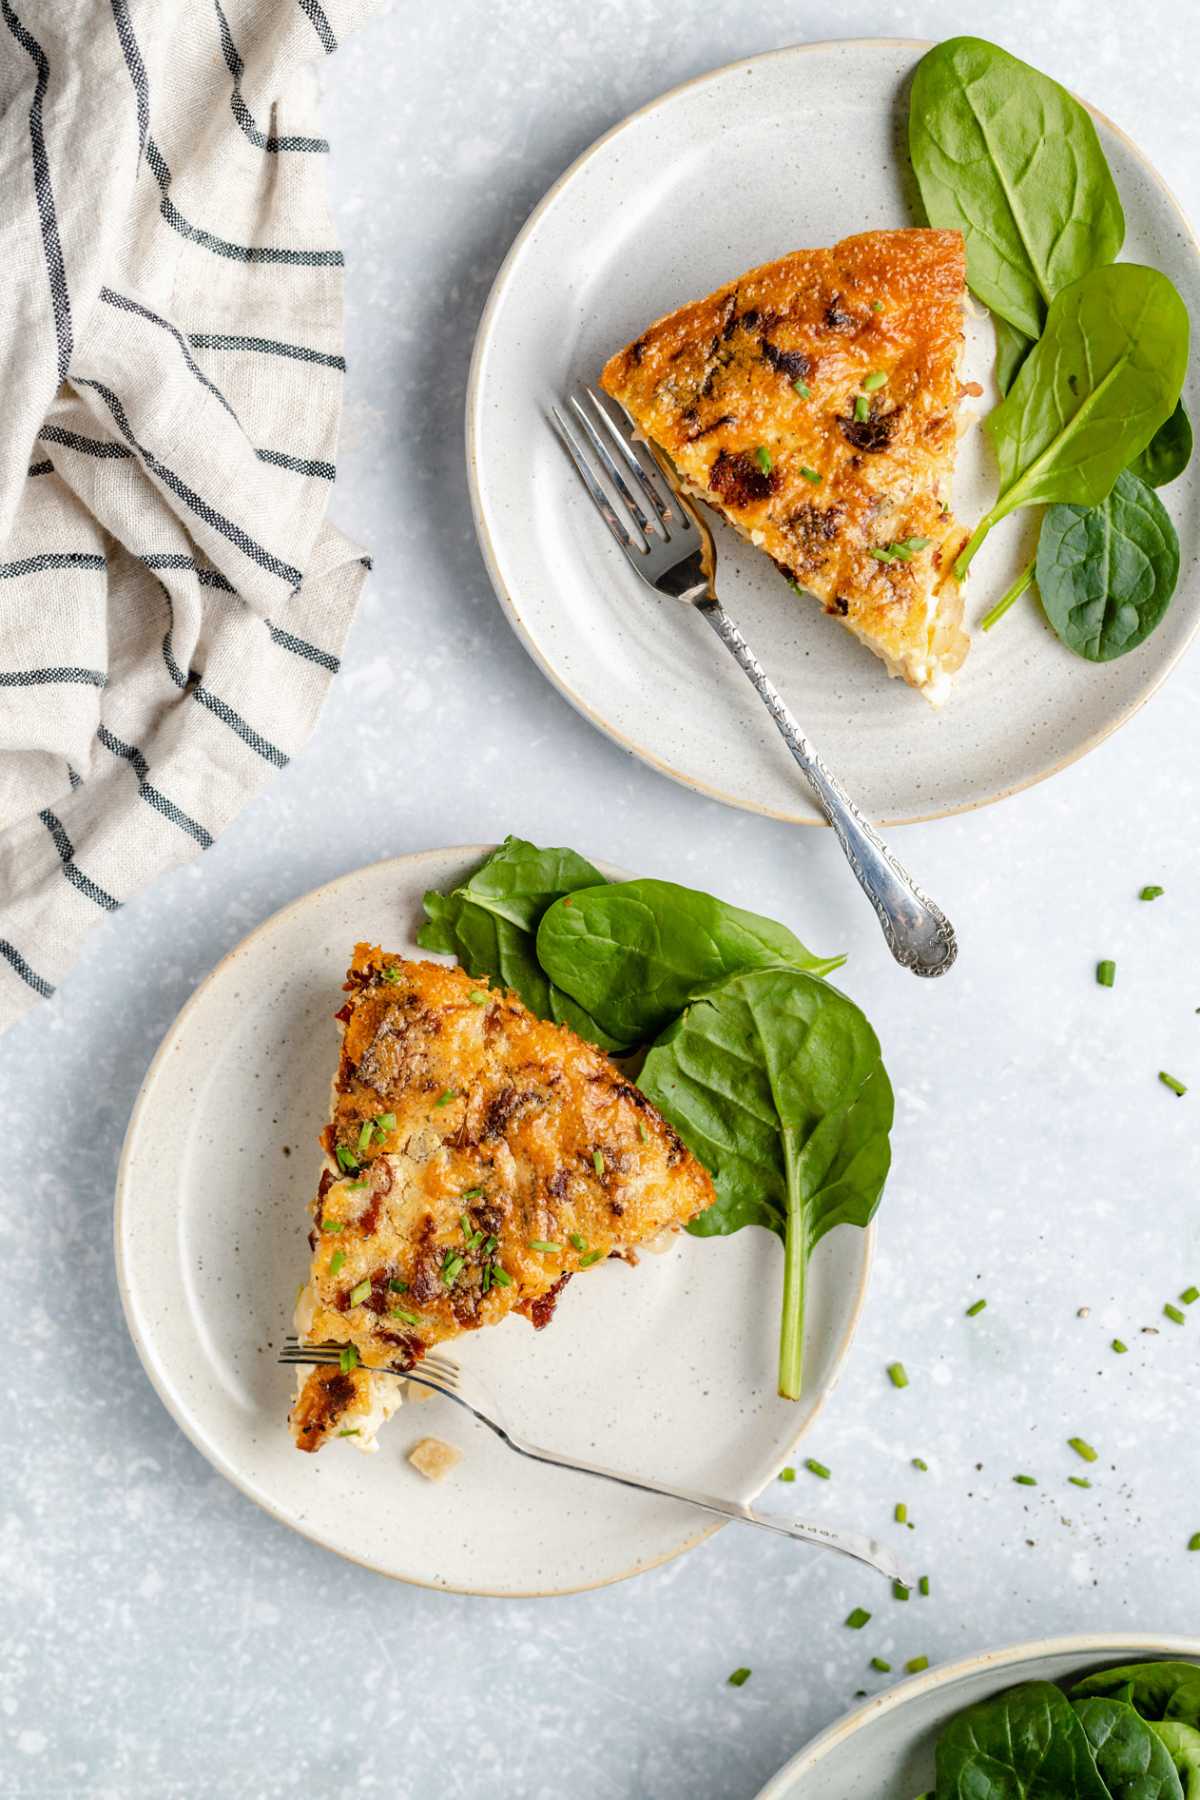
174 1401
509 602
1094 1647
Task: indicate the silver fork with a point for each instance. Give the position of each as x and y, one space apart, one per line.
445 1377
669 545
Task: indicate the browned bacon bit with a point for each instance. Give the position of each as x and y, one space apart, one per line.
739 480
837 319
702 431
792 363
343 1014
540 1311
368 1219
872 434
841 606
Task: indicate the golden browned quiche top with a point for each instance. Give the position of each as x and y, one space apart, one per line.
477 1158
814 403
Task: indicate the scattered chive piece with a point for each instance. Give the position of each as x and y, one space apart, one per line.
1151 893
348 1359
332 1224
810 475
336 1261
451 1269
901 1513
858 1618
1120 1348
1079 1481
918 1462
877 306
502 1276
353 1186
1081 1447
345 1160
1173 1313
1194 1541
973 1311
598 1161
365 1135
862 410
478 997
788 1474
397 1286
1176 1086
545 1248
408 1318
802 388
444 1098
1106 973
915 1664
816 1468
877 1662
898 1375
1190 1295
1025 1480
472 1194
762 457
577 1242
490 1246
359 1294
593 1256
392 973
876 379
899 1591
643 1134
352 1431
923 1587
739 1678
468 1230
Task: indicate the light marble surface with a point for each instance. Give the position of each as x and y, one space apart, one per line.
163 1637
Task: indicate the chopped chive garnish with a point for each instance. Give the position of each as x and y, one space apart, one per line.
1079 1481
915 1664
858 1618
337 1261
485 1281
817 1468
465 1225
478 997
918 1462
1194 1541
359 1294
802 388
739 1678
348 1359
345 1160
788 1474
398 1312
490 1246
577 1242
811 475
472 1194
365 1135
899 1591
593 1256
393 972
876 379
923 1587
1190 1295
1081 1447
445 1097
598 1161
546 1249
386 1122
643 1134
974 1311
877 1662
1120 1348
1025 1480
501 1276
353 1186
332 1224
396 1286
1106 973
862 410
901 1513
762 457
1151 893
1173 1313
1176 1086
350 1431
903 550
898 1375
452 1269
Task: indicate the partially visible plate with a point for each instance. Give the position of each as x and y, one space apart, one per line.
668 1369
884 1750
796 148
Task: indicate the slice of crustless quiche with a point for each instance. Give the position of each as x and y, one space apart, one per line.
477 1158
813 403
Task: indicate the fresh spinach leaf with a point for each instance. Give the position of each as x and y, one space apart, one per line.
774 1080
1012 347
1008 157
1132 1762
1169 451
1104 375
634 953
1182 1744
1106 573
1158 1690
1025 1744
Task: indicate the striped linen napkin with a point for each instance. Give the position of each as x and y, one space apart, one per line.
173 599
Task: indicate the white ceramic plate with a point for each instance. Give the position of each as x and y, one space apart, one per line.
799 147
667 1369
884 1750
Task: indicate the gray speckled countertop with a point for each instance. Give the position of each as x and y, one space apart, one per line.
161 1636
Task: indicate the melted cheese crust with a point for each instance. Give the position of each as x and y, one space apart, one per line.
812 484
501 1132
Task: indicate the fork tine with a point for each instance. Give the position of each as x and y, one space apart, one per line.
609 466
665 511
600 499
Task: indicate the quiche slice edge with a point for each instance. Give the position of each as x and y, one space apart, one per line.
477 1158
813 403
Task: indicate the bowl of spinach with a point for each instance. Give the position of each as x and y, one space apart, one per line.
1085 1718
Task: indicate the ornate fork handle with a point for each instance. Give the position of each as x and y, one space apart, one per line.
918 933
